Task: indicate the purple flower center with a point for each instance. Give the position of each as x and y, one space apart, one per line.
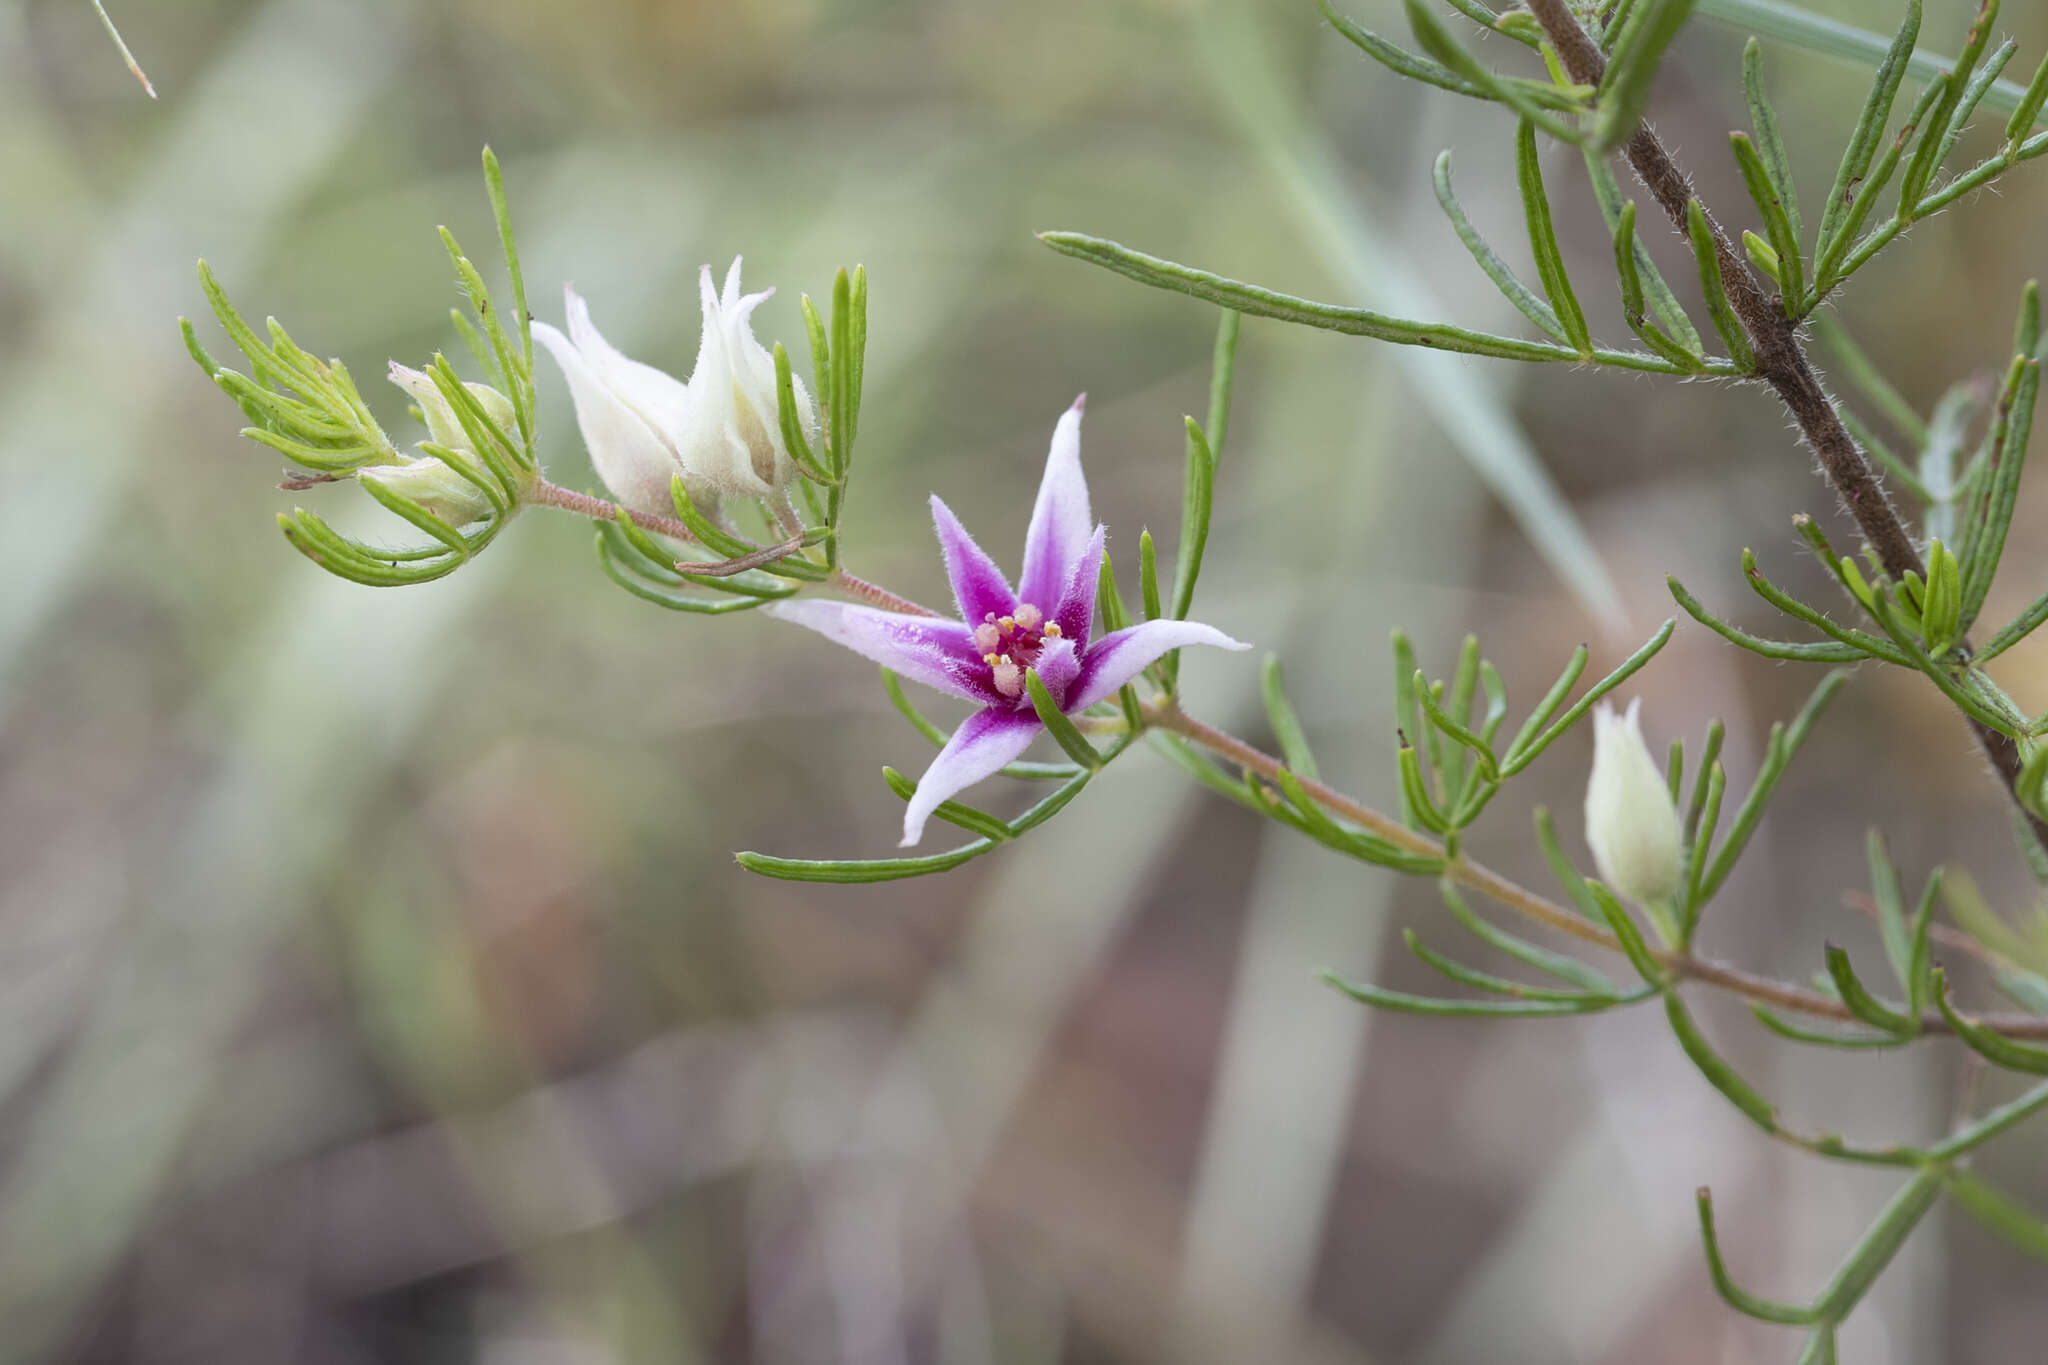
1010 644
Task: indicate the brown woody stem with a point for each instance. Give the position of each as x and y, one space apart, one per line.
1167 715
1781 361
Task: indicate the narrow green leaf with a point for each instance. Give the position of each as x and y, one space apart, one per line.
1566 969
1197 502
1865 1006
1715 1068
1785 744
1437 42
952 812
1994 1047
1788 269
1286 724
1633 946
1869 132
1712 285
1998 1211
1520 759
1260 302
1817 652
1148 576
1497 270
1379 998
1639 49
1662 301
1868 1259
1770 144
1550 266
1891 907
1575 886
791 421
1858 1042
1738 1298
1063 731
1486 981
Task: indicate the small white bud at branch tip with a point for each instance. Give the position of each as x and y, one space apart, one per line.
1631 823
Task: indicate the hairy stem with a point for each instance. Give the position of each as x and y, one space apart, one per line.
554 495
1166 715
1781 360
875 595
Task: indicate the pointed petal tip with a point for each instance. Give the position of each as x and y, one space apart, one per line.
1079 403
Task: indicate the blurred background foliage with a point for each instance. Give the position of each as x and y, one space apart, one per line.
374 981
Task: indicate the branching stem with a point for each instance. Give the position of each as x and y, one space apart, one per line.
1781 359
1167 715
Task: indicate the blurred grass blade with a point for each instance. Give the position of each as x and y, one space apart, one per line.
1638 50
134 67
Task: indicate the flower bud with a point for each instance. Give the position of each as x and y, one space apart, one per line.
431 482
731 440
1630 821
722 430
434 486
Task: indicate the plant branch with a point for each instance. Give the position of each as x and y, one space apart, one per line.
875 595
1166 715
597 509
1781 360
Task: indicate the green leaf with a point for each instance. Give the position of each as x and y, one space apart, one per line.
1550 266
952 812
1473 1009
1486 981
1865 1006
1497 270
1788 269
1891 907
1719 1074
1566 969
1816 652
1847 1042
1639 48
1998 1211
1260 302
1987 545
1770 144
1286 724
1438 43
1575 886
1639 274
1148 576
791 421
1063 731
1711 284
1197 502
1994 1047
1868 134
1633 945
1778 754
1945 120
1519 757
1738 1298
1868 1259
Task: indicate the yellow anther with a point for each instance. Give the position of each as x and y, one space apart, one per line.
1008 623
1053 631
989 659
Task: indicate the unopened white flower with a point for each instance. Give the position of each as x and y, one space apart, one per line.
629 413
1630 821
429 481
731 441
720 430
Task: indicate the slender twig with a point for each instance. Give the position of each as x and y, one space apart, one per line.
1166 715
1781 361
876 596
726 568
134 67
554 495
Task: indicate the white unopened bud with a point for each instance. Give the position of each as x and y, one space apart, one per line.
429 481
731 440
434 486
722 430
1630 821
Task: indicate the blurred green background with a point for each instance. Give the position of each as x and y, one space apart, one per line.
375 984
